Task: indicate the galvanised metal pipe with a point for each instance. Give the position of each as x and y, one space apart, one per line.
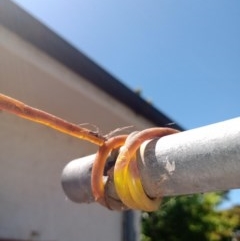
195 161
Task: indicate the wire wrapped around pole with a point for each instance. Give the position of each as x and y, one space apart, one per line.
196 161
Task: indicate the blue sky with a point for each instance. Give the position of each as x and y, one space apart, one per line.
183 55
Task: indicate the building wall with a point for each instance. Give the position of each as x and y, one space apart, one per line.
30 192
32 203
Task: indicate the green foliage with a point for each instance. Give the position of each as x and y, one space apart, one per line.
189 218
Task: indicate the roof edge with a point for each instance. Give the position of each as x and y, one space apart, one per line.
31 30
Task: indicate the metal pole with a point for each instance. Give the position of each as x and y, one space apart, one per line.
195 161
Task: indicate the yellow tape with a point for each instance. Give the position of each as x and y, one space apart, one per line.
121 177
128 184
143 202
126 174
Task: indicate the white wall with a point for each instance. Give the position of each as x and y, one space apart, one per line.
31 198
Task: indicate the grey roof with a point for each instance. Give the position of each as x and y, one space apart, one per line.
23 24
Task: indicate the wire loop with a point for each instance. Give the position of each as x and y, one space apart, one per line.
98 166
127 178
